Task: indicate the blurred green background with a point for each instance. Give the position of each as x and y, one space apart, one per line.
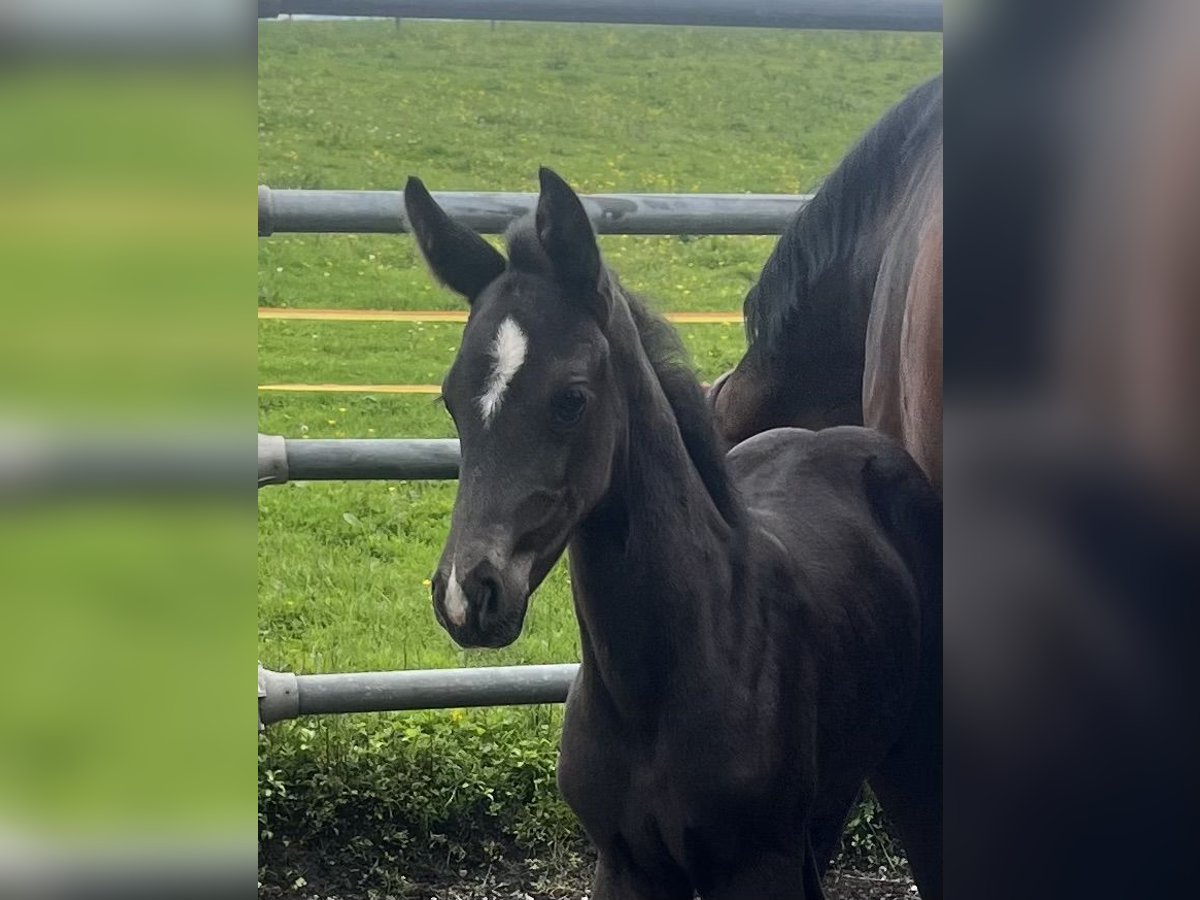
125 621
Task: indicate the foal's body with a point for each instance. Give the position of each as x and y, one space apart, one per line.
759 633
747 692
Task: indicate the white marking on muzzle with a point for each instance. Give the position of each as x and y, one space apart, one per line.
508 355
456 600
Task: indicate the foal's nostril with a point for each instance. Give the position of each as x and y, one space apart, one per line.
489 596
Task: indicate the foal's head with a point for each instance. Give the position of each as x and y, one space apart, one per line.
531 392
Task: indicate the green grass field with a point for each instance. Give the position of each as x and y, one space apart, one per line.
343 567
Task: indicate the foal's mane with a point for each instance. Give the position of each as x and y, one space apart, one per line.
671 365
826 232
693 415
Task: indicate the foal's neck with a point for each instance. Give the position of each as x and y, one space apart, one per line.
652 566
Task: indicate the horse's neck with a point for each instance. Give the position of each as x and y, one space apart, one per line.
828 302
652 566
845 291
842 291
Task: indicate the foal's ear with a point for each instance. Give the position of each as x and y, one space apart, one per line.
567 237
457 256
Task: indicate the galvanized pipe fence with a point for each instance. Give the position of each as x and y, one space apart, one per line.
283 695
281 460
858 15
382 212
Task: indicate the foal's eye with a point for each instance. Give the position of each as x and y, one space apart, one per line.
569 406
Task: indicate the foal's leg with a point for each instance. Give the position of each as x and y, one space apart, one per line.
828 822
909 780
772 877
616 879
909 786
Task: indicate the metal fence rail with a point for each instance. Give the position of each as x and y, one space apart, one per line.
283 695
863 15
382 212
281 460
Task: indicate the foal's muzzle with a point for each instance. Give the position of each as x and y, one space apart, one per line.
479 607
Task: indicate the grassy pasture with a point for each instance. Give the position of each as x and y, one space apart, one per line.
343 567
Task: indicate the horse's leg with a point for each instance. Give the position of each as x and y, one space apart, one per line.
617 879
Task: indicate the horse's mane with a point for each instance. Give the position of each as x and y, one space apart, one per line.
667 357
824 233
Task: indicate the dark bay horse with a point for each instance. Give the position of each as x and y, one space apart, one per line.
845 323
760 632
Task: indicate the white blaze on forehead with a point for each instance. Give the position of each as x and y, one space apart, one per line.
456 600
508 354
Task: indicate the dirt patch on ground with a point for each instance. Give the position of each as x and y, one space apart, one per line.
567 886
853 886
